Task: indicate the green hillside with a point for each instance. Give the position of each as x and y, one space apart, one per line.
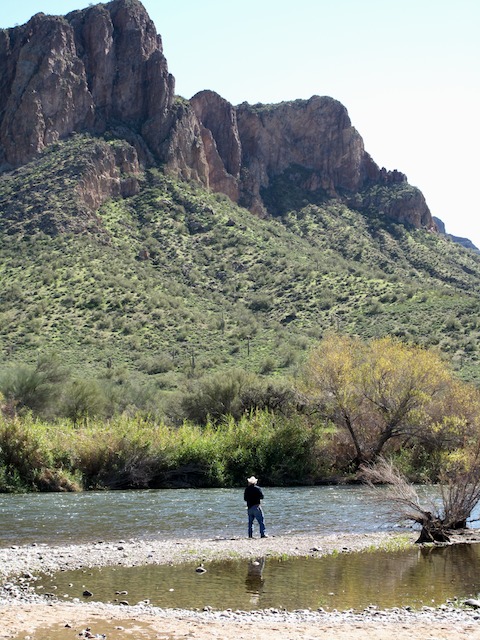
177 282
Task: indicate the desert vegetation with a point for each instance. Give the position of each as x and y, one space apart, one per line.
176 282
173 338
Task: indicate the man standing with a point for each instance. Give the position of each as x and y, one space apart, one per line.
252 496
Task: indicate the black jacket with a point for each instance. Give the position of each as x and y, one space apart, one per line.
252 495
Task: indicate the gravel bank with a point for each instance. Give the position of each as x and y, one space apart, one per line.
44 558
25 612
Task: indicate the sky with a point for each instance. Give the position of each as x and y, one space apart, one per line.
408 72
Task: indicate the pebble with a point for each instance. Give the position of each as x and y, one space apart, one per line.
473 602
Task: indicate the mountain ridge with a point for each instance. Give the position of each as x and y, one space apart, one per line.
175 280
126 244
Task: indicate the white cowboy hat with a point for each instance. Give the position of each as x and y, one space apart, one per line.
252 480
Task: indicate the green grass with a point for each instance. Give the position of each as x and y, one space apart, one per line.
398 542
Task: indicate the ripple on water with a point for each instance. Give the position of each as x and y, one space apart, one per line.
184 513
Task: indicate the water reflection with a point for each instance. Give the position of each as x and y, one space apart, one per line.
415 577
254 581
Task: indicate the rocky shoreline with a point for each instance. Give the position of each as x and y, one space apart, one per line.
23 610
16 560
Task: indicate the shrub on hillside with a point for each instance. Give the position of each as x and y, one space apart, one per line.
216 396
82 400
235 394
27 388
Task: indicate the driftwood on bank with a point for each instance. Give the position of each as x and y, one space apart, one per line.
439 519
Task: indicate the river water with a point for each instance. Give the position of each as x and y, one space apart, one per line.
58 518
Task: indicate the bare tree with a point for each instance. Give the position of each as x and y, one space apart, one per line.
459 494
460 491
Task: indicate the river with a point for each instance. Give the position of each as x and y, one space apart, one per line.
59 518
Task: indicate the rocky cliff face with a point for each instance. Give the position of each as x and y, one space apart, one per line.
221 140
92 70
102 70
97 70
310 144
315 134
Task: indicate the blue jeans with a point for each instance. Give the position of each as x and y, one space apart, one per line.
255 513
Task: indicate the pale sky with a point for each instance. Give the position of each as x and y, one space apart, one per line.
408 72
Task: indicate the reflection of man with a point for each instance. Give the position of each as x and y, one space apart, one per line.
254 580
252 496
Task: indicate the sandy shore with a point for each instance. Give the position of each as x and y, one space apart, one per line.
26 615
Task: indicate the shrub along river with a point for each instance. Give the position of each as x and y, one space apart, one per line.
414 577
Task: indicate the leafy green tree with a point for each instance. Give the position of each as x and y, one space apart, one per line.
454 426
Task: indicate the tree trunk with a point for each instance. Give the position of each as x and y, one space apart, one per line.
432 535
433 530
359 458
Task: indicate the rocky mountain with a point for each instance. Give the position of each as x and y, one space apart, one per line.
151 240
102 71
465 242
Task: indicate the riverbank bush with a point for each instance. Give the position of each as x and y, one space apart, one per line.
137 453
30 459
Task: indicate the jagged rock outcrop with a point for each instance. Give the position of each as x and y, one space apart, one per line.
112 172
44 94
310 143
315 134
85 172
93 70
182 149
102 70
392 197
221 140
